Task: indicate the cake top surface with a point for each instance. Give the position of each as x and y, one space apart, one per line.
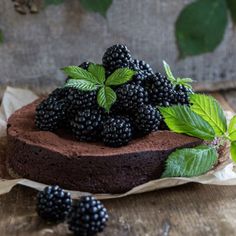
21 125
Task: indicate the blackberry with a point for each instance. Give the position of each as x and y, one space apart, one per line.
51 111
85 65
144 67
53 203
147 119
182 95
79 99
86 124
117 131
160 89
117 56
88 217
130 96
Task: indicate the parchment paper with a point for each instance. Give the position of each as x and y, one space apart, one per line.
15 98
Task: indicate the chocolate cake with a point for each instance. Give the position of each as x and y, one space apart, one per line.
57 158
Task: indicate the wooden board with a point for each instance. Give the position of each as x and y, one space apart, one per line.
192 209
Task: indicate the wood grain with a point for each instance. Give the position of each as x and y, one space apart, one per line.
192 209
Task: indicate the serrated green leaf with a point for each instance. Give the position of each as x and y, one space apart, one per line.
210 110
52 2
181 119
232 129
232 9
189 162
169 72
200 27
106 97
98 71
100 6
81 84
75 72
120 76
233 151
1 37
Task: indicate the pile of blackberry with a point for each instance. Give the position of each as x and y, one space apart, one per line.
134 114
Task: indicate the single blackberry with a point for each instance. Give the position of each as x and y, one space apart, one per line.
144 67
85 65
51 111
88 217
53 203
79 99
117 56
147 119
160 90
130 96
86 124
182 95
117 131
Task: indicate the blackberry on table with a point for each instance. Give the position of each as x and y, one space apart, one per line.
88 217
130 96
53 203
51 111
117 131
182 95
160 89
147 119
86 124
116 56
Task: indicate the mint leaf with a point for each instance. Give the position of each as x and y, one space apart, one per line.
181 119
98 71
200 27
106 97
81 84
233 151
189 162
232 9
232 129
210 110
75 72
120 76
100 6
52 2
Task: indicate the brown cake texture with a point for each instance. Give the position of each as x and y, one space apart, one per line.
57 158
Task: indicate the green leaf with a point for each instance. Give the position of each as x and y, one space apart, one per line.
120 76
210 110
52 2
169 72
232 9
81 84
100 6
189 162
75 72
1 36
232 129
233 151
200 27
106 97
181 119
98 71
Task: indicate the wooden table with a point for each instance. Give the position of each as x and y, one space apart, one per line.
191 209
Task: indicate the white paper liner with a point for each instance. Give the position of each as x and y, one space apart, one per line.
14 99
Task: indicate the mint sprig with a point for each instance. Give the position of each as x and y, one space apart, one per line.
188 162
95 79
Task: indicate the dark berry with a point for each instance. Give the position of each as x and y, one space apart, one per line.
147 119
160 89
182 95
117 131
53 204
85 65
51 111
86 124
88 217
130 96
117 56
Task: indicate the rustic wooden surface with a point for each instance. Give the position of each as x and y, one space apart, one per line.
192 209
